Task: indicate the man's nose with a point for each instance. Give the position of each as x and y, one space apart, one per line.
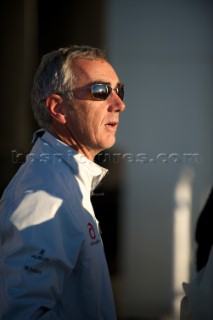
117 104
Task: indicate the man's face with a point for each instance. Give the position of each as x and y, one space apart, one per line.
92 124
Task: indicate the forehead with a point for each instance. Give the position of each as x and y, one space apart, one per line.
88 71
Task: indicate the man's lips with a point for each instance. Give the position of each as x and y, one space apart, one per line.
112 125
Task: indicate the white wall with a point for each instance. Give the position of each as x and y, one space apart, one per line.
162 51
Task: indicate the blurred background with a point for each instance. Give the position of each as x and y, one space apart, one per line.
161 166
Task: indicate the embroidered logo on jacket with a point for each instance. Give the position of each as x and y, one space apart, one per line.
92 234
91 231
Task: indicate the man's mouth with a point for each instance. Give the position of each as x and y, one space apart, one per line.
112 125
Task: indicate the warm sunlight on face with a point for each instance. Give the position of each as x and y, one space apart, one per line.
92 124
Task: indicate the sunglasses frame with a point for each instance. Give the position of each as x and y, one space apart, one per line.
84 94
119 90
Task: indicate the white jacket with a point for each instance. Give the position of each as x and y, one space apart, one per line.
198 301
52 263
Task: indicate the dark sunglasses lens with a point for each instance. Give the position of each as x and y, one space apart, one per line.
120 92
100 91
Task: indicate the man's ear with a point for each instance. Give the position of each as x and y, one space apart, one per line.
55 106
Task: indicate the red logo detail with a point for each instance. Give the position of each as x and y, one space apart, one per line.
91 231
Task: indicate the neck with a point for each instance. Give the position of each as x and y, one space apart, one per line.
70 141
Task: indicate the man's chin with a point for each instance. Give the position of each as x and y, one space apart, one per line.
109 144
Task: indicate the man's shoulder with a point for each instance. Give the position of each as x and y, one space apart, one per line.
36 175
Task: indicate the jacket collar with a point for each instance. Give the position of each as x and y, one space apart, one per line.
82 166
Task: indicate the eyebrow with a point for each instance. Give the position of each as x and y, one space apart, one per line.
119 83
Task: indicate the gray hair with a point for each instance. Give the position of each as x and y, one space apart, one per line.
55 75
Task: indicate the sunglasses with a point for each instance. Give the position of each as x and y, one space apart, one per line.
101 91
97 91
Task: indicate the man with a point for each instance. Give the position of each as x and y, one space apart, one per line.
52 260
